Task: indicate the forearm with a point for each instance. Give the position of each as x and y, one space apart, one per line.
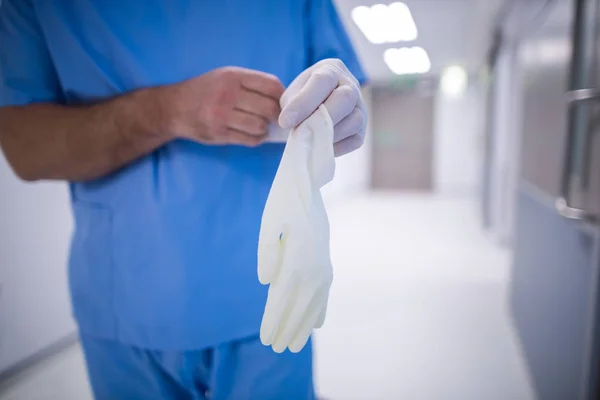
49 141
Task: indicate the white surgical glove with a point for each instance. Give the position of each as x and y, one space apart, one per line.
293 248
275 133
328 82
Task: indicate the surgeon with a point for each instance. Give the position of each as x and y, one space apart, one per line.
159 114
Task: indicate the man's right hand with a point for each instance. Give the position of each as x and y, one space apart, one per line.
228 105
54 141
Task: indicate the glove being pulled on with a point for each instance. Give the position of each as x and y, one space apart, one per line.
328 82
293 249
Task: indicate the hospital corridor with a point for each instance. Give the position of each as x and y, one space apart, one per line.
402 204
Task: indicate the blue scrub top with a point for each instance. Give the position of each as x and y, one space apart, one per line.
164 251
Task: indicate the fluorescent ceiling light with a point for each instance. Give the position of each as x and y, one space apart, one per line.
454 81
407 60
382 23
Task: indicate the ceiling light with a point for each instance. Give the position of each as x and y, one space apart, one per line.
454 81
407 60
382 23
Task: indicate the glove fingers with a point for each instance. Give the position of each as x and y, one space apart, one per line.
311 319
302 305
322 81
349 134
352 124
277 300
284 320
295 87
349 144
341 102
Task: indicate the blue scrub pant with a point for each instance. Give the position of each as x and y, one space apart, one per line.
238 370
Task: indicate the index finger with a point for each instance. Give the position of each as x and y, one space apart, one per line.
317 89
263 83
295 87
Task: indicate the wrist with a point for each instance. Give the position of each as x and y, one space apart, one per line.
157 110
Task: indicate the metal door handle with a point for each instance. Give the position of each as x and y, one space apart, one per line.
578 95
563 208
562 203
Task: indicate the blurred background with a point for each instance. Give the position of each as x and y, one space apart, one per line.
464 235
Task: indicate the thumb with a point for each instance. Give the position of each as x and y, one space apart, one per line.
271 236
270 246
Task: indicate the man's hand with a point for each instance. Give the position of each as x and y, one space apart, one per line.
226 106
53 141
328 82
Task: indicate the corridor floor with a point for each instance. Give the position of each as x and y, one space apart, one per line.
418 310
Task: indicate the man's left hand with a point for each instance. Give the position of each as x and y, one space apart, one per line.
328 82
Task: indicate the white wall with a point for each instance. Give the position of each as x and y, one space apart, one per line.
35 229
458 142
508 104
